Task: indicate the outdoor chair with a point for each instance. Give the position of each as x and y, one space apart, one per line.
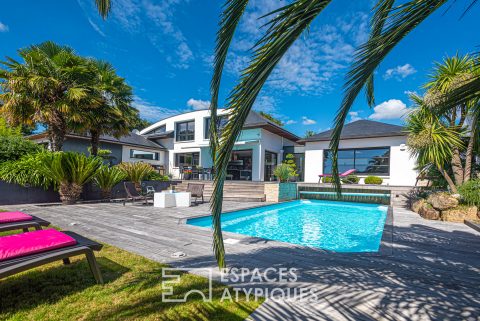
344 174
21 252
196 190
10 221
133 194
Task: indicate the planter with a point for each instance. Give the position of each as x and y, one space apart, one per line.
187 176
280 192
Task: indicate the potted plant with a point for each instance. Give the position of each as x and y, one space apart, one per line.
290 161
106 178
70 171
187 174
283 190
136 172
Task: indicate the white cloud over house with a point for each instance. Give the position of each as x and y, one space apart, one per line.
151 111
390 109
3 27
198 104
354 116
400 72
308 121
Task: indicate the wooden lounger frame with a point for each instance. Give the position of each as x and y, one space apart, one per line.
84 246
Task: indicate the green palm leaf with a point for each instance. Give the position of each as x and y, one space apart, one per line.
283 29
104 7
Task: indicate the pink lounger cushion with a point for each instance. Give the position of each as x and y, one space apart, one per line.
10 217
24 244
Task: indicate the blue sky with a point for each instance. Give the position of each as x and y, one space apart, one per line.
164 50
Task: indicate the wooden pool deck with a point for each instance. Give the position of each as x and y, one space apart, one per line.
432 272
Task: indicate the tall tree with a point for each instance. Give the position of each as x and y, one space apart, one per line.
111 112
47 87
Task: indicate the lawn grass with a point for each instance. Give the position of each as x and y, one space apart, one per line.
132 291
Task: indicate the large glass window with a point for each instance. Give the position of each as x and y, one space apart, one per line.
270 164
142 154
371 161
221 123
187 159
240 165
185 131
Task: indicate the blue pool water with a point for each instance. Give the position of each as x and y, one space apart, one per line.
335 226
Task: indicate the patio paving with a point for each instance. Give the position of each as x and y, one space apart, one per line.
433 272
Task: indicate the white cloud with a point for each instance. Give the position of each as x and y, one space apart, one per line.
354 116
96 28
290 122
400 72
307 121
266 104
198 104
390 109
3 27
152 112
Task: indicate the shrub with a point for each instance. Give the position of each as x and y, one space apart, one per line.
351 179
470 192
14 147
26 171
136 172
375 180
282 172
290 161
327 179
106 178
156 176
70 171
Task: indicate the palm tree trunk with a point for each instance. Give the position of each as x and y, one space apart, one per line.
457 167
57 130
94 141
449 180
469 153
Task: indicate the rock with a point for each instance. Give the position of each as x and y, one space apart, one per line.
460 214
428 212
417 205
442 201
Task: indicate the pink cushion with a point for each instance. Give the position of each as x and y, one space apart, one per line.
9 217
24 244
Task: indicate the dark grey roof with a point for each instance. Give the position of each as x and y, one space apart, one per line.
166 134
361 129
130 139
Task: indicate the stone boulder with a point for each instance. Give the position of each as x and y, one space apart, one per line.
460 214
442 201
417 205
428 212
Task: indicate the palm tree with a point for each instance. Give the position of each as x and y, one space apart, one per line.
111 113
432 139
48 87
390 24
447 76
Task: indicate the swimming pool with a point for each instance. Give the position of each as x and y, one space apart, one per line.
335 226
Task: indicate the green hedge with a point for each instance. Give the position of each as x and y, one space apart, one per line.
373 180
470 192
351 179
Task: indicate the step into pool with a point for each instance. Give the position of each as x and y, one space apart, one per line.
329 225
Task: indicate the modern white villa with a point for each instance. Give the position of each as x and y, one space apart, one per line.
260 147
370 147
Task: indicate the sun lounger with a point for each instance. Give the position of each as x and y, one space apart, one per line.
133 194
21 252
344 174
10 221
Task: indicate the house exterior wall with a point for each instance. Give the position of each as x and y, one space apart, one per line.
80 145
256 139
402 164
126 155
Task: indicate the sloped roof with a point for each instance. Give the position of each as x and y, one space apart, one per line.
361 129
255 120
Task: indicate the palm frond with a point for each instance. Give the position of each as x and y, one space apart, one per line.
283 30
400 22
232 12
104 7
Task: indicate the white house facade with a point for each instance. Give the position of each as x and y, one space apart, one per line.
369 147
185 137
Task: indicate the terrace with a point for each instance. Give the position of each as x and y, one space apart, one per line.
430 271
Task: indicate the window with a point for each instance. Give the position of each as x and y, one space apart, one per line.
270 164
141 154
185 131
371 161
221 123
160 130
187 159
